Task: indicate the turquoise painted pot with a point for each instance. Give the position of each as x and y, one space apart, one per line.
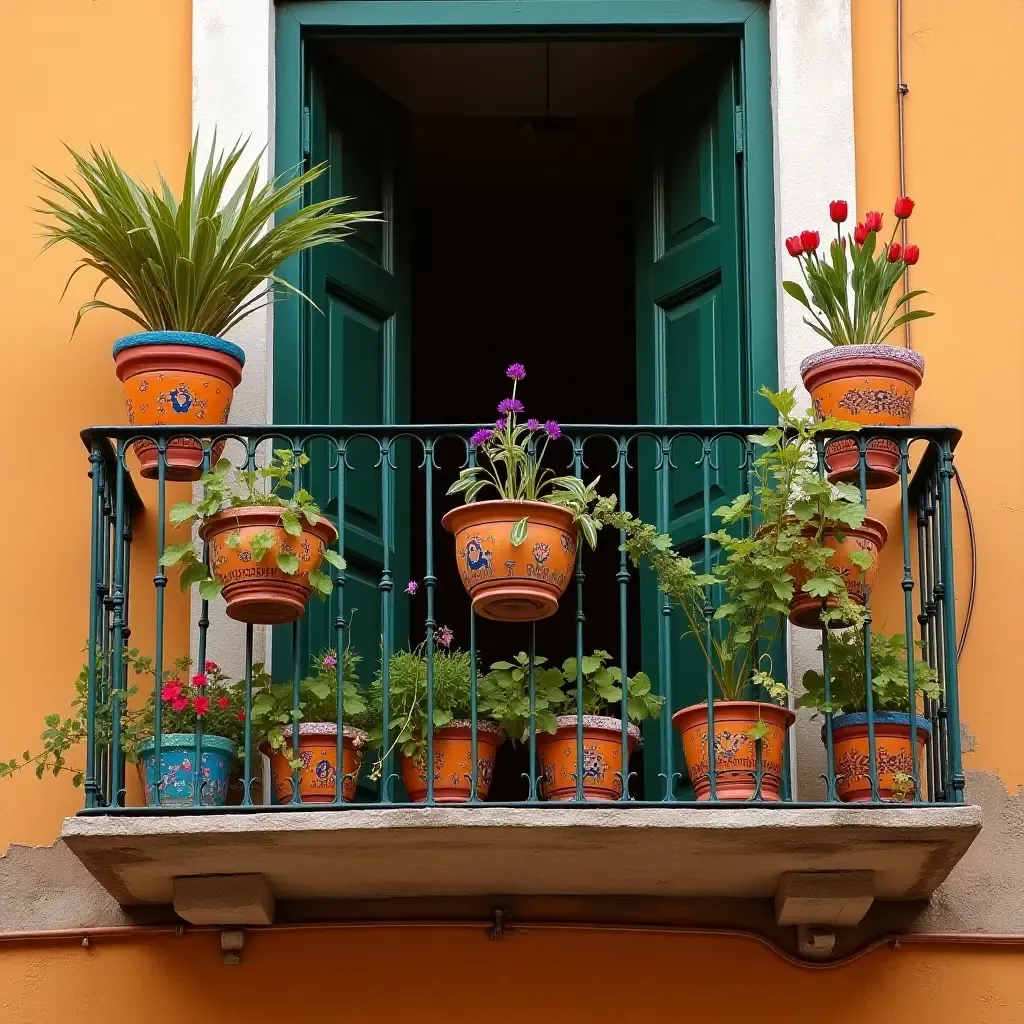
176 780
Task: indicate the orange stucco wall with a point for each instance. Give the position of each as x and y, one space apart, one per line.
442 974
118 71
964 148
115 72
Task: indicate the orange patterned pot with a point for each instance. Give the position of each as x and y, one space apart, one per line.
259 592
735 749
602 758
870 536
509 583
453 763
892 755
177 379
873 385
318 748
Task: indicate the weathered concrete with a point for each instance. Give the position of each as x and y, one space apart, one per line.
224 899
839 899
49 887
481 850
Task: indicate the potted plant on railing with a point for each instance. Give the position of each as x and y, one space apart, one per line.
193 270
266 545
275 717
890 688
451 724
504 694
776 558
860 377
206 698
516 554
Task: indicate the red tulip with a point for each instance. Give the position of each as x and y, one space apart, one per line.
873 221
911 255
809 240
794 246
894 252
860 234
838 210
904 207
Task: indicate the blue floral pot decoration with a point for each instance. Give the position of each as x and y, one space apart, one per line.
175 783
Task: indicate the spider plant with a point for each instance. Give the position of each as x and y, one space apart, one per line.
195 264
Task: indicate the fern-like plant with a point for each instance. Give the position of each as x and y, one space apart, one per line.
197 264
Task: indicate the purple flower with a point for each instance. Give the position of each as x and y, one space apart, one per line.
516 371
532 424
330 660
507 405
412 587
482 435
553 429
500 423
444 636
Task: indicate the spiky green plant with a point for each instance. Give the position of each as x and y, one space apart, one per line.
199 264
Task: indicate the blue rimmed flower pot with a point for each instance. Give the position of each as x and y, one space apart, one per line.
176 780
177 379
894 755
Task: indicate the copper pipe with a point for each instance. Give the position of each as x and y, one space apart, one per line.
895 941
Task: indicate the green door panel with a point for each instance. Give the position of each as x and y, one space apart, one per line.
355 366
690 348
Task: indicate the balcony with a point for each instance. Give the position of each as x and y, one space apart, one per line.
517 818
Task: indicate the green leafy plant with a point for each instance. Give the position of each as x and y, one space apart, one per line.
225 488
890 682
766 535
407 697
868 278
207 696
505 693
198 264
273 706
511 461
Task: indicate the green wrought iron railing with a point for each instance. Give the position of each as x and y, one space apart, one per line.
402 473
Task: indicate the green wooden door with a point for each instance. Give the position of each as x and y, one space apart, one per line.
355 365
690 347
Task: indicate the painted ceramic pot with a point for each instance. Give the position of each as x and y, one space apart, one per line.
870 536
513 582
177 379
893 755
873 385
602 758
175 783
318 749
736 762
453 763
259 592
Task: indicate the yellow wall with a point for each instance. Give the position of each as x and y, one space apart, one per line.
964 154
118 71
115 72
445 975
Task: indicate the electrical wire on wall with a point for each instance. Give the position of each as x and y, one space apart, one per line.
901 94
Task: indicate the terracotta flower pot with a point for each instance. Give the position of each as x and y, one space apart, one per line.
873 385
870 536
513 583
259 592
453 763
735 748
602 758
177 379
892 754
318 748
175 781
